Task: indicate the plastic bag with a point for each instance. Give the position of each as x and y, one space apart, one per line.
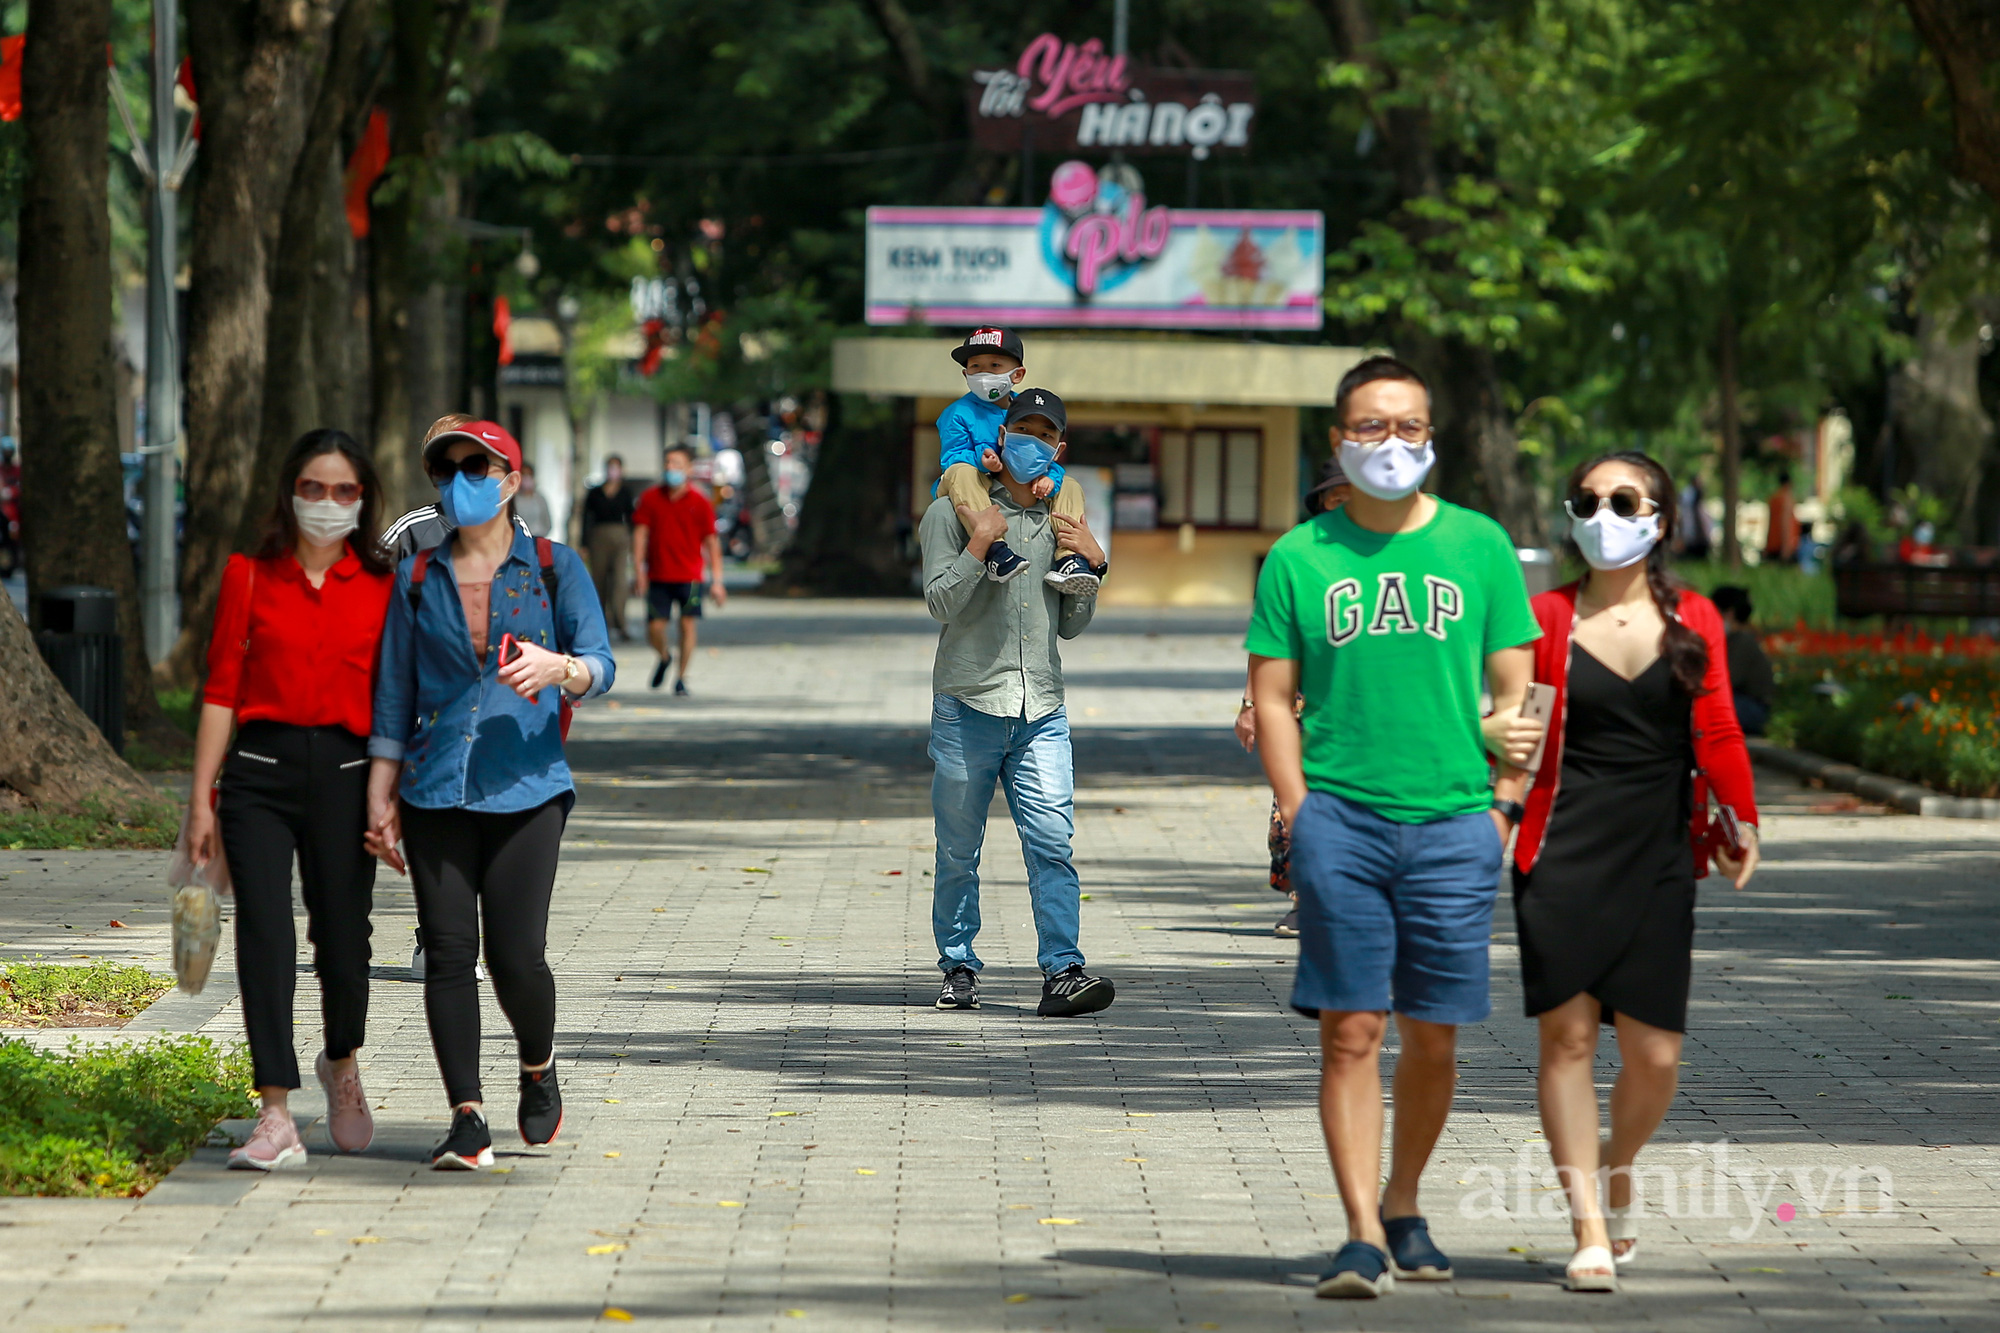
197 932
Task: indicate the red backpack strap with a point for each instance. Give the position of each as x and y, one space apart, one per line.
418 568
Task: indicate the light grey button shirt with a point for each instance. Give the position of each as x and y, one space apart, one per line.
997 651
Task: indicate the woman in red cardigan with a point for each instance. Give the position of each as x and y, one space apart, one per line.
1615 832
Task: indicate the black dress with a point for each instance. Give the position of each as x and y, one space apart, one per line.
1609 906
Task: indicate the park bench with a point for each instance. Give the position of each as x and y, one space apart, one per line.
1960 589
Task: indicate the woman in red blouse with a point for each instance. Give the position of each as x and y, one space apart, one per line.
291 673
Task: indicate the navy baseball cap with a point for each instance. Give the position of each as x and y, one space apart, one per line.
1004 341
1038 403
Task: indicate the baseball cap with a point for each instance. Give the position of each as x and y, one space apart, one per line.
1038 403
491 436
1331 474
1004 341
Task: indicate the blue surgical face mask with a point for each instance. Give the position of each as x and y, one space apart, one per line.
676 478
1027 457
469 501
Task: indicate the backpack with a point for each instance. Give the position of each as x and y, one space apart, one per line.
545 555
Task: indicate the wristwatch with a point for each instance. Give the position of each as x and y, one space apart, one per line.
1103 569
571 669
1513 810
1246 703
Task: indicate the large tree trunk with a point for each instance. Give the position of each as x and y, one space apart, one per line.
254 63
847 543
1939 412
291 402
1964 37
1489 442
51 754
73 507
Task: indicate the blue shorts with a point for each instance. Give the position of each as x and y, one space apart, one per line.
662 598
1393 916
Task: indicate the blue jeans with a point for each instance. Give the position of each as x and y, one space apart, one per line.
1031 762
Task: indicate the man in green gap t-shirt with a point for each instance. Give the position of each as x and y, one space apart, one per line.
1384 615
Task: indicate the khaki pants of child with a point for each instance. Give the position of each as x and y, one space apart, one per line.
967 485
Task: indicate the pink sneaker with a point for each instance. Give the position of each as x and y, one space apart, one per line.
273 1146
348 1121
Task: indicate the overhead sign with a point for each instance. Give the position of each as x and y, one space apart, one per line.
1063 98
1096 255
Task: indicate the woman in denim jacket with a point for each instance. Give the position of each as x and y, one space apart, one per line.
468 767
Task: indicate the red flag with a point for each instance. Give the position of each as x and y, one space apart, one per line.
656 346
370 160
10 76
185 78
503 329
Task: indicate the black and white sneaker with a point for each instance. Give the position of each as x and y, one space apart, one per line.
961 989
1071 576
1288 925
1073 993
1002 565
540 1116
468 1147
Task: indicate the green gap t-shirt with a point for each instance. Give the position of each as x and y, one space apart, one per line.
1391 634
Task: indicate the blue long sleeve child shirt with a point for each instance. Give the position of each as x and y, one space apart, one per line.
969 427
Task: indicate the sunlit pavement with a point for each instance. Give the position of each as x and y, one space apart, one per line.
768 1126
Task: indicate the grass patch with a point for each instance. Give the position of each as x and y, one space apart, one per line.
60 995
111 1121
152 826
1784 596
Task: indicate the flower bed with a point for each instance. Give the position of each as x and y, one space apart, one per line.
1921 709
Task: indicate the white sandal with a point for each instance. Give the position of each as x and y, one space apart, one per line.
1623 1224
1591 1269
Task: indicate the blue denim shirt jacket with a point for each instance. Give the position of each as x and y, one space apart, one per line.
465 739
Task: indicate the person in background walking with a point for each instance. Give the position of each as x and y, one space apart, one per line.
607 538
673 532
1615 832
1781 533
426 525
290 671
1750 674
1331 493
488 639
530 505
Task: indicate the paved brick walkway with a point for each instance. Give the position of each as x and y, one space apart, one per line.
770 1128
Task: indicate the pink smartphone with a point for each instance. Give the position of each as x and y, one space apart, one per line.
1540 705
1732 831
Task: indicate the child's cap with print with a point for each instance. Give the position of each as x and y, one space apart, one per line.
1004 341
1038 403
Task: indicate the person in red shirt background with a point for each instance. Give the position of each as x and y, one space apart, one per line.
673 529
291 672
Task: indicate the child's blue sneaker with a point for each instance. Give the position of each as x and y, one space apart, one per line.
1071 576
1002 565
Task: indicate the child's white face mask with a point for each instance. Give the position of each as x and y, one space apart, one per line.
989 388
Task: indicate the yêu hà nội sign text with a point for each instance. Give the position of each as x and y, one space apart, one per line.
1063 97
1098 255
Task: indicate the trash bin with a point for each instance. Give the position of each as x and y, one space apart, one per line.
76 629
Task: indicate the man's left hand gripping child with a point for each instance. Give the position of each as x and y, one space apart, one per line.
970 432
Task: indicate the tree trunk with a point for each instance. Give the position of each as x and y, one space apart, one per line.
847 543
1490 443
72 500
1939 412
291 403
253 65
1726 362
1964 37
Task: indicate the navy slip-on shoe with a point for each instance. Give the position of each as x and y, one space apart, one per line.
1417 1258
1359 1272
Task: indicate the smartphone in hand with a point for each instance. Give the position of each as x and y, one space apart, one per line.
510 650
1540 706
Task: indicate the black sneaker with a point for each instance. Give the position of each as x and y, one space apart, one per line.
468 1147
660 673
1288 925
1072 993
540 1115
1002 565
961 989
680 688
1071 576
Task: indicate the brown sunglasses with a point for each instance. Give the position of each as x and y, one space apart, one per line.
343 492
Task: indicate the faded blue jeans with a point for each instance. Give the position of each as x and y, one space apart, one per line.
1031 762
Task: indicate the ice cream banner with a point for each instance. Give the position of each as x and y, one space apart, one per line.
1097 255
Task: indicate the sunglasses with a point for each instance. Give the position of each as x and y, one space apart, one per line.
343 492
1625 502
472 465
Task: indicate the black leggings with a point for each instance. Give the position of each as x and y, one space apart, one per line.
289 789
467 864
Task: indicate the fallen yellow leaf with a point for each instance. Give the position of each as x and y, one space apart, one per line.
1018 1297
611 1101
613 1312
1135 1159
779 1113
501 1170
611 1154
1058 1221
366 1240
1763 1270
795 1314
863 1171
323 1231
612 1248
728 1203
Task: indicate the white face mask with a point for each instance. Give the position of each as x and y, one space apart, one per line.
1390 470
324 522
989 388
1610 542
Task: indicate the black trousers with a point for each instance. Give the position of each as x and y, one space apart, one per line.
298 791
468 865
